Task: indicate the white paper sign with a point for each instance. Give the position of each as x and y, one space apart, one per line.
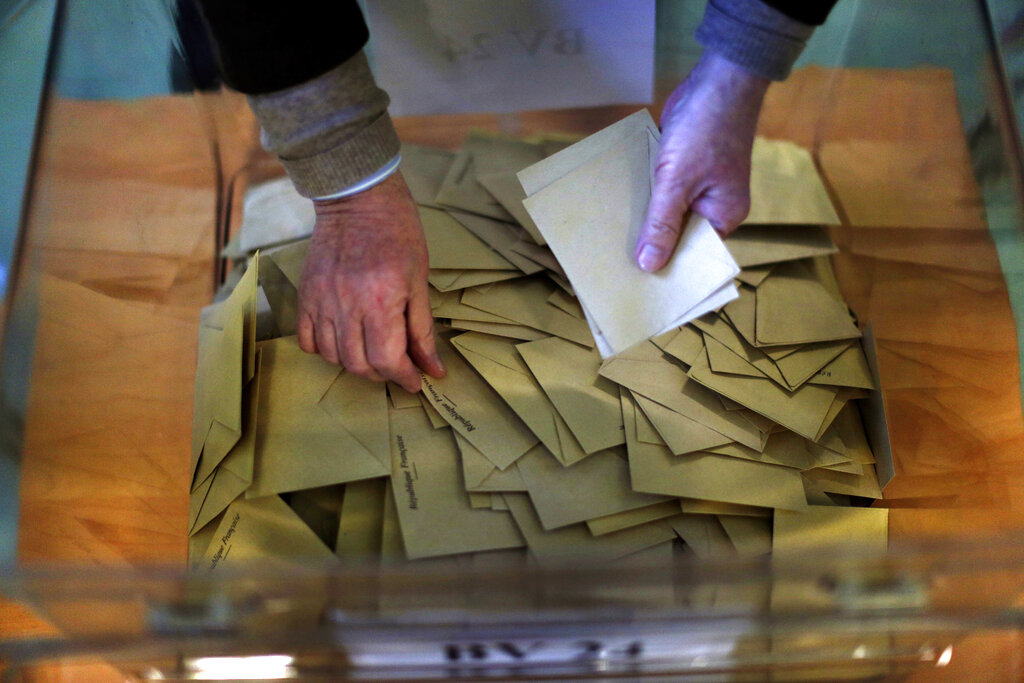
459 56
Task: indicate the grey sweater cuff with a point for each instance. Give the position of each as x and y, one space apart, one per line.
330 132
754 36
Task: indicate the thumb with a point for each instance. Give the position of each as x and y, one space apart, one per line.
663 224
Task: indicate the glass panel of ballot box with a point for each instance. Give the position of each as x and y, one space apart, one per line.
816 476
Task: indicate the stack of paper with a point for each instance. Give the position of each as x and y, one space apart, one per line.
534 442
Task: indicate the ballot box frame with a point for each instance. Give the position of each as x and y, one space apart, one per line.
920 604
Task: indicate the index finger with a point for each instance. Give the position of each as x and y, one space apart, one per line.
386 342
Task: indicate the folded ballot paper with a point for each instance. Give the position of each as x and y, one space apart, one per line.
589 202
591 411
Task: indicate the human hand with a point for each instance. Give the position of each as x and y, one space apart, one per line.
703 165
363 300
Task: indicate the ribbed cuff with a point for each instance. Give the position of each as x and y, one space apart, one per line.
366 183
331 132
754 36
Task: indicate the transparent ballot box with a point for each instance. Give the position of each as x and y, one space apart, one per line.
131 175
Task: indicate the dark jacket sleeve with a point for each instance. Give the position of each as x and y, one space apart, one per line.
813 12
268 45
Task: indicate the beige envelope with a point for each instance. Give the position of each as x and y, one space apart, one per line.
717 329
666 383
723 361
505 187
786 449
392 550
618 521
400 398
320 509
290 259
475 411
452 247
318 424
500 236
793 307
802 411
449 305
481 154
710 507
681 434
685 345
575 544
801 366
480 476
234 474
752 275
587 402
361 520
864 484
566 302
436 421
424 170
264 532
654 469
500 364
445 280
517 332
850 430
596 487
541 174
591 219
434 512
525 302
848 369
757 245
751 536
227 361
703 534
785 186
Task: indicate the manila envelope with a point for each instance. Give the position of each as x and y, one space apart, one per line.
618 521
361 521
517 332
319 425
751 536
685 345
664 382
653 469
264 532
596 487
451 246
484 153
710 507
233 475
500 364
820 529
290 260
591 219
717 329
227 361
752 275
849 369
424 170
793 307
475 411
864 484
500 236
434 512
587 402
449 305
445 280
756 245
681 434
526 303
575 544
703 534
785 186
480 476
505 187
786 449
802 411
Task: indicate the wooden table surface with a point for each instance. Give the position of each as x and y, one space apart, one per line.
118 260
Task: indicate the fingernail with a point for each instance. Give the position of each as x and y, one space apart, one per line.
439 364
649 258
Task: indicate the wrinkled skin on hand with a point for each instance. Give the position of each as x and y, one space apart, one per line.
363 300
708 126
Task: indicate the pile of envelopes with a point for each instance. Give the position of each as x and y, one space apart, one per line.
591 411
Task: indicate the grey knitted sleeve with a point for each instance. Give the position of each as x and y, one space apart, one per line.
330 132
753 35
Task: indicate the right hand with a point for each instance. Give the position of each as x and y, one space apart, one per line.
703 165
363 300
